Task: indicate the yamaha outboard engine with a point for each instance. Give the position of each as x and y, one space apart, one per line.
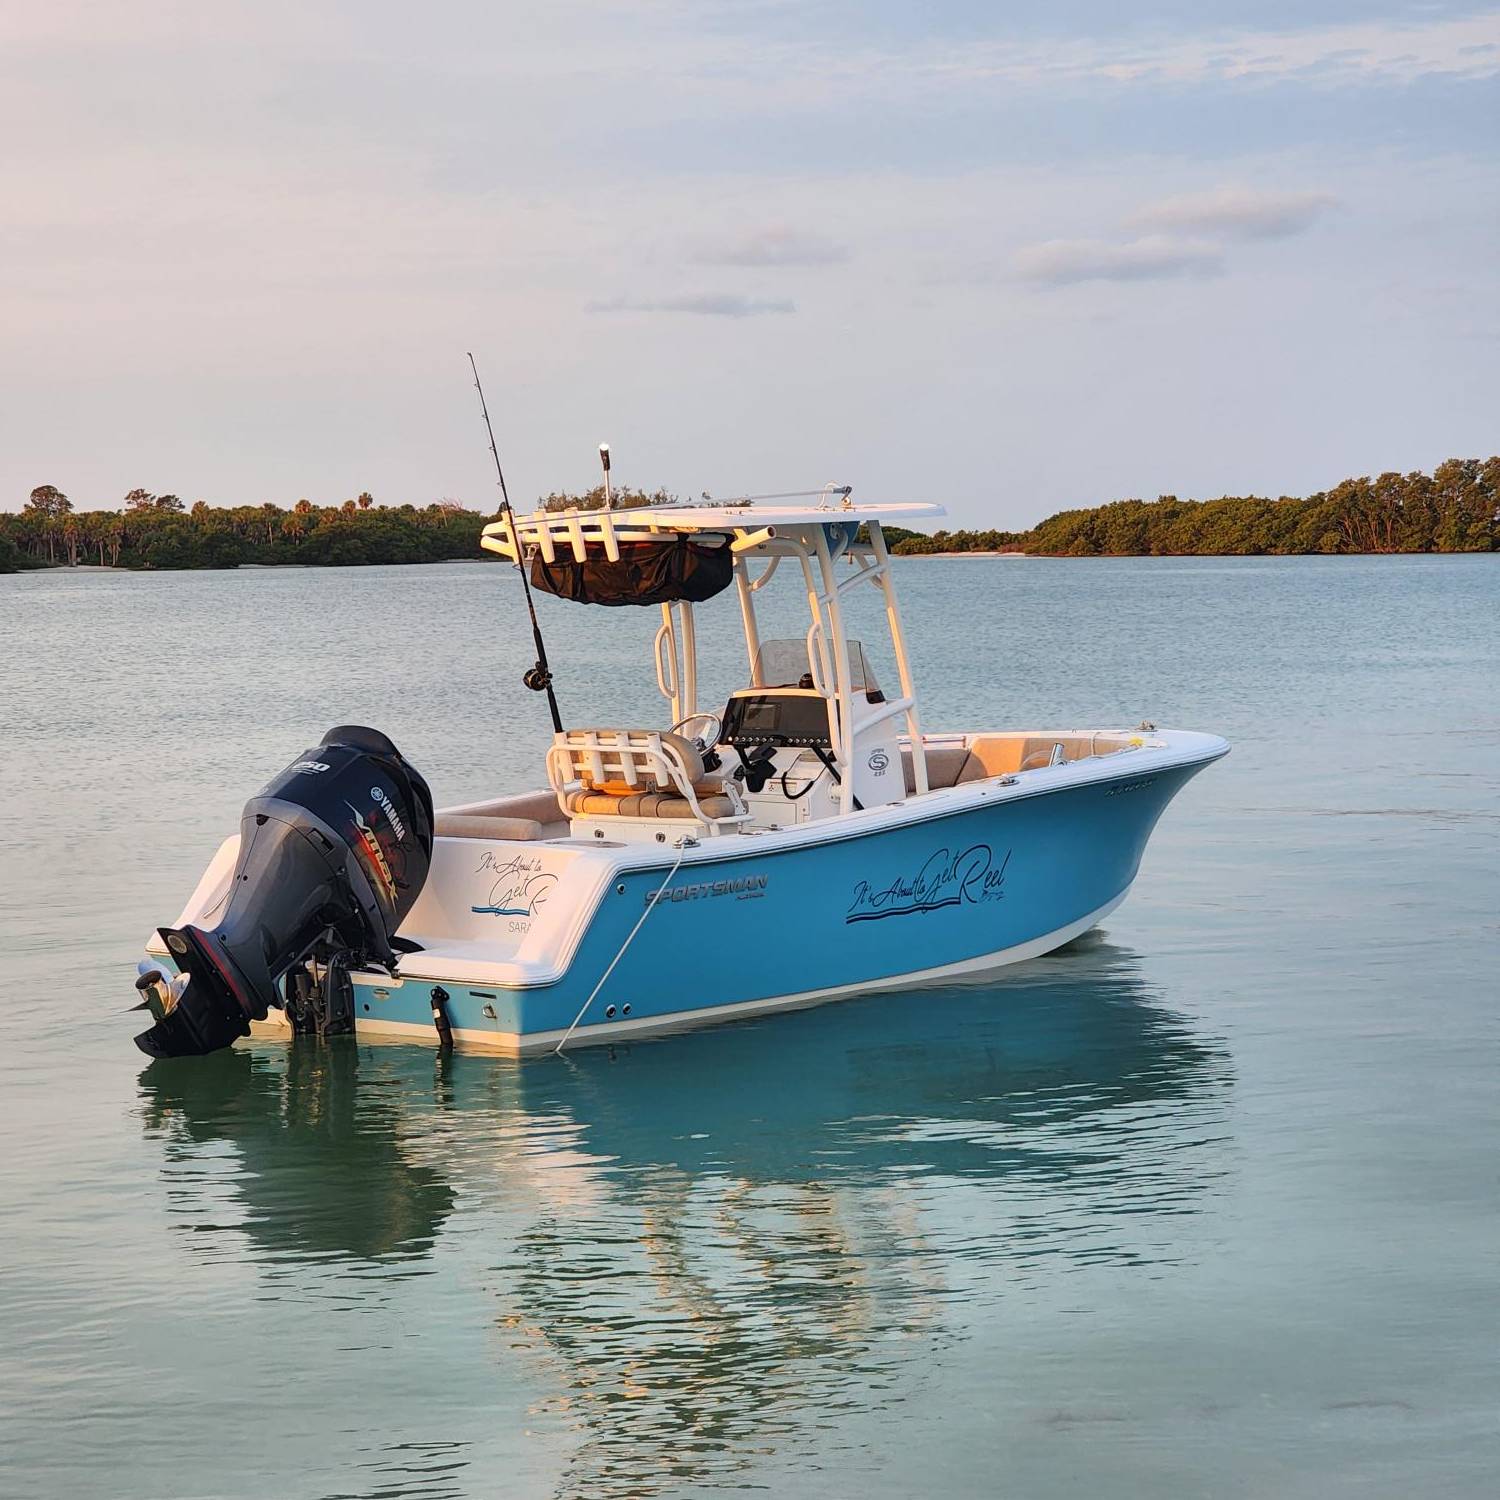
333 852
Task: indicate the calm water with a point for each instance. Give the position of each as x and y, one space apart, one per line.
1206 1205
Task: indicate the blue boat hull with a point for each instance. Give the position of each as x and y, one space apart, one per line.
768 928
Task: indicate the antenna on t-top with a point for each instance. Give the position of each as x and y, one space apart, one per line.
609 494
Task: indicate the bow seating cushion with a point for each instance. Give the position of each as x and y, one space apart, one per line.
947 765
990 755
953 765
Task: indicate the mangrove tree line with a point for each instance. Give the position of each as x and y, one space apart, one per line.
1456 508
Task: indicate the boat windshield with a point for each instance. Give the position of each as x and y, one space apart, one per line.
786 664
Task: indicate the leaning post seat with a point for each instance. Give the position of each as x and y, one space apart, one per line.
637 773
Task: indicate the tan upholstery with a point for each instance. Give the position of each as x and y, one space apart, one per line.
591 804
540 806
994 755
635 773
692 760
1037 749
692 757
523 815
472 826
946 766
989 755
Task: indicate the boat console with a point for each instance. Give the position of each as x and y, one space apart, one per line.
784 739
782 717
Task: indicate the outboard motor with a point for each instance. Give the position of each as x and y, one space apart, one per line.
333 852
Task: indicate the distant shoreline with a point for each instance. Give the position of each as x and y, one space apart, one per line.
52 569
1455 508
1175 556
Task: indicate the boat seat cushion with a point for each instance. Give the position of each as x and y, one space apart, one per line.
521 815
946 766
689 754
994 755
585 803
987 755
477 826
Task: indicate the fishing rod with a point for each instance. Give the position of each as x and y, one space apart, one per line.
539 678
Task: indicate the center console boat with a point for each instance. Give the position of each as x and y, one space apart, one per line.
807 840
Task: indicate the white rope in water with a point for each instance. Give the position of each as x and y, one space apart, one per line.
640 922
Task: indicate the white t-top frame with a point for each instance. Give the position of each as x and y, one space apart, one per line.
817 537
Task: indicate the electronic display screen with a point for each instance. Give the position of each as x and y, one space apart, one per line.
776 719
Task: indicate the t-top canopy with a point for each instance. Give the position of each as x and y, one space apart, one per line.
749 515
582 532
658 554
657 572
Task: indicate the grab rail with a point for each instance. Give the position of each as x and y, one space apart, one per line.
666 665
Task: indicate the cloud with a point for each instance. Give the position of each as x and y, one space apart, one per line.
772 247
706 304
1360 52
1185 239
1152 258
1236 213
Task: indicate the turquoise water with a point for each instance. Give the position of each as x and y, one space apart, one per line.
1204 1205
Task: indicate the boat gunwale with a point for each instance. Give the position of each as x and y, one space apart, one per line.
912 809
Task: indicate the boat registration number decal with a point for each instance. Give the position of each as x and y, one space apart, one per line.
970 877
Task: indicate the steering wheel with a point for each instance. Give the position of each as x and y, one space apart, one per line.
702 729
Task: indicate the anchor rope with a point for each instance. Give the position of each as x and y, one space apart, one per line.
682 850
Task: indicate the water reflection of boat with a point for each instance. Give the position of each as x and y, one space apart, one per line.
743 1231
1051 1081
321 1168
699 1245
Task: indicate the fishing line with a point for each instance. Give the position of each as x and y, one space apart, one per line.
539 678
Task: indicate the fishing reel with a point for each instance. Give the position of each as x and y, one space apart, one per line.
538 678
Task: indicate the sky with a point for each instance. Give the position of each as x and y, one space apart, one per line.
1008 258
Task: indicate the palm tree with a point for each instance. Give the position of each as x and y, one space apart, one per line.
296 523
47 507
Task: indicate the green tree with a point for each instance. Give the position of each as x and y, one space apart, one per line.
624 498
48 507
1455 508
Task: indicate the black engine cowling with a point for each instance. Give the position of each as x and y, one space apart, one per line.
333 852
